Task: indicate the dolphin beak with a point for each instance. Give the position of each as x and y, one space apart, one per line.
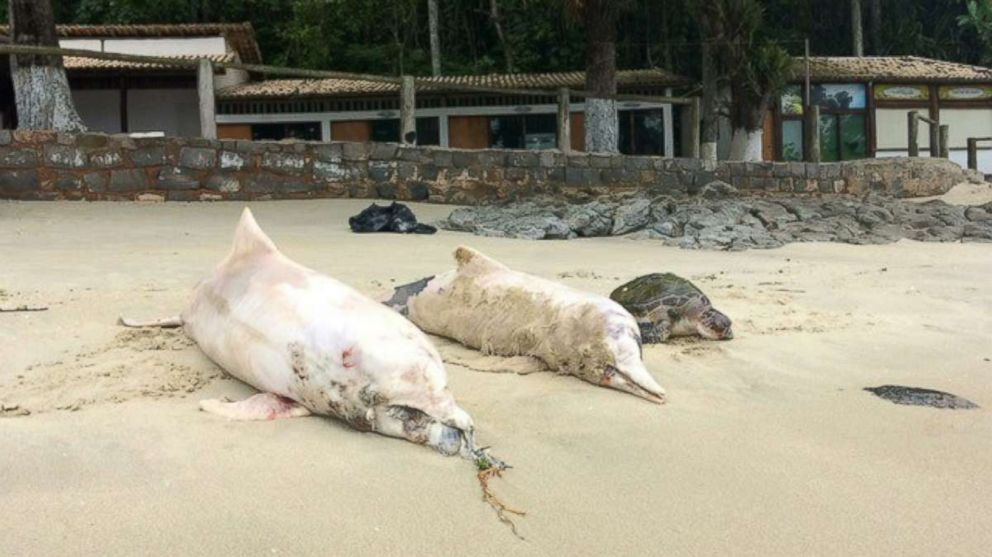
639 383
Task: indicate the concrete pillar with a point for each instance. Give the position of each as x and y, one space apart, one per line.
945 150
564 121
973 153
205 91
408 119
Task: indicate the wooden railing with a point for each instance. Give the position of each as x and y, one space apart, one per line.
973 151
938 136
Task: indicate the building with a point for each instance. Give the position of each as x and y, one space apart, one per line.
349 110
114 96
864 103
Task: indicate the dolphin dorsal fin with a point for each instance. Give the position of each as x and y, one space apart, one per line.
468 258
249 238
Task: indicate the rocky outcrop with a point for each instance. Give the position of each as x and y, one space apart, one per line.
729 222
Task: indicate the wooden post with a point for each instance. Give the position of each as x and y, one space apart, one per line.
945 149
811 136
973 153
564 121
934 139
205 91
694 110
408 120
914 129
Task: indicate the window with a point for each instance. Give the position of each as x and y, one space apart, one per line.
388 131
792 140
843 117
533 131
642 132
308 131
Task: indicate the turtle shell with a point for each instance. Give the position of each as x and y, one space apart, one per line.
647 293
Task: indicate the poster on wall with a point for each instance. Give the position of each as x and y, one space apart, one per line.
846 96
902 92
965 92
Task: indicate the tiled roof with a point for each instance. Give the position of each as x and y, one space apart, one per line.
241 36
343 87
891 69
79 64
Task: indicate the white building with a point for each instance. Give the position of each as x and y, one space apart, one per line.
113 96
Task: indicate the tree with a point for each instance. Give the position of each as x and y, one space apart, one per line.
435 37
599 17
875 27
710 21
857 37
41 88
979 19
755 67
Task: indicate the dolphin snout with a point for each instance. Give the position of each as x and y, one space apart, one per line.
638 383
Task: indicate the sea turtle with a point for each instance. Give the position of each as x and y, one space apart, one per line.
667 305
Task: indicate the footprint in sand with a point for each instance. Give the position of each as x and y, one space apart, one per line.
148 363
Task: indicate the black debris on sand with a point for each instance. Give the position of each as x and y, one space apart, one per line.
921 397
395 217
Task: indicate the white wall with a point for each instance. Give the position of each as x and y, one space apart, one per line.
100 109
965 123
172 111
892 129
153 46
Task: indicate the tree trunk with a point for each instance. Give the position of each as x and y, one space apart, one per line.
857 38
709 127
41 88
875 26
507 50
601 77
746 145
435 37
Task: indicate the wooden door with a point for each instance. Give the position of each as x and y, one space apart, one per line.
468 132
356 130
233 131
577 131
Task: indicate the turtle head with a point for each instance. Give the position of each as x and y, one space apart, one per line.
624 369
714 325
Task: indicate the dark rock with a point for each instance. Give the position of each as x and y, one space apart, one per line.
631 215
18 181
590 219
717 189
197 157
18 158
148 156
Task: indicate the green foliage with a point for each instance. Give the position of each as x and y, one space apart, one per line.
389 36
978 19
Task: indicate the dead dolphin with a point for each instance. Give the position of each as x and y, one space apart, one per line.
485 305
314 345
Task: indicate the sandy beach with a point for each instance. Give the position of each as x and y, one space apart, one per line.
768 445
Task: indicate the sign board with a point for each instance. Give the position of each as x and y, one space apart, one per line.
902 92
965 92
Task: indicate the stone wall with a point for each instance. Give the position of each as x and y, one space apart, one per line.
47 165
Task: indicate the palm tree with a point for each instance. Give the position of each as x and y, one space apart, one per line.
755 68
41 88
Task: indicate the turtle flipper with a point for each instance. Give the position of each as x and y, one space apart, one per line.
654 332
